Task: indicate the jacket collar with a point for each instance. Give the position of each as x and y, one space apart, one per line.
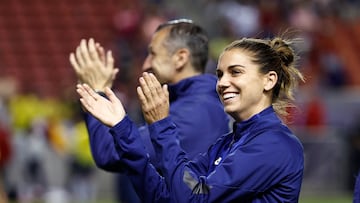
243 128
198 84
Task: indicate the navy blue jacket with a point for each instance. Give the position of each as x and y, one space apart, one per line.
194 107
260 161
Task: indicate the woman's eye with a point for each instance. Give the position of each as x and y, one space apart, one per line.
234 72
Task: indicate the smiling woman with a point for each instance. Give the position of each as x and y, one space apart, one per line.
255 83
260 73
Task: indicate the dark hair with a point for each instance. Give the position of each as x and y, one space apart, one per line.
184 33
274 55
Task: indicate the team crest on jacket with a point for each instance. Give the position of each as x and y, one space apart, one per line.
217 161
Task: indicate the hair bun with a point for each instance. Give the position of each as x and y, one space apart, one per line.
283 49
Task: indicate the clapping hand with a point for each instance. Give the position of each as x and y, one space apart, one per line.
153 97
108 111
92 66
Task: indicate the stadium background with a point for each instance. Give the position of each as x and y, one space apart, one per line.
49 159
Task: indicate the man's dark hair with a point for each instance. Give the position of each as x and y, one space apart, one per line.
184 33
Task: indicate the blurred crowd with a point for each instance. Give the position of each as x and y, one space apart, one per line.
44 151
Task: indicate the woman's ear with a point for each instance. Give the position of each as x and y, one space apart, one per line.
270 80
182 56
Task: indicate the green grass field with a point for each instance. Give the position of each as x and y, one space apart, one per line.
326 199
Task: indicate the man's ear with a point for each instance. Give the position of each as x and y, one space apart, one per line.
182 56
270 80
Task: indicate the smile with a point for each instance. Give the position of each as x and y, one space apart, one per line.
227 96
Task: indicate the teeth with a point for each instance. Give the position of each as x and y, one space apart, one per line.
229 95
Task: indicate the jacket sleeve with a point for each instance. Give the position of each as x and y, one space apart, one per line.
102 145
135 160
237 177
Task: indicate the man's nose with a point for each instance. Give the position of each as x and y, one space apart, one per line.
147 64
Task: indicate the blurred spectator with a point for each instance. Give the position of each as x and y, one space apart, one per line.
127 26
8 88
35 180
127 18
5 147
81 178
303 16
40 148
270 17
243 19
5 155
315 113
334 74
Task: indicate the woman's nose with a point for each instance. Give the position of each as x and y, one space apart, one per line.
223 81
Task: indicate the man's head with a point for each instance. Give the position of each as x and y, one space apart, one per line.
178 49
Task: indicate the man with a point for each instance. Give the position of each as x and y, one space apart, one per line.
178 53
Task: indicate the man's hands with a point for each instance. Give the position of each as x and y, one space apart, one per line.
92 66
154 101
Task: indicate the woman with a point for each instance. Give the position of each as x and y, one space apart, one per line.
260 161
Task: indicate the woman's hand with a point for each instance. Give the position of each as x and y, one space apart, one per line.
154 99
108 111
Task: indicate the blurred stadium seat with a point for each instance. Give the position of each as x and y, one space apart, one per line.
37 36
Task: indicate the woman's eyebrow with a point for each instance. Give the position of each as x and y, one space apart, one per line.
235 65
